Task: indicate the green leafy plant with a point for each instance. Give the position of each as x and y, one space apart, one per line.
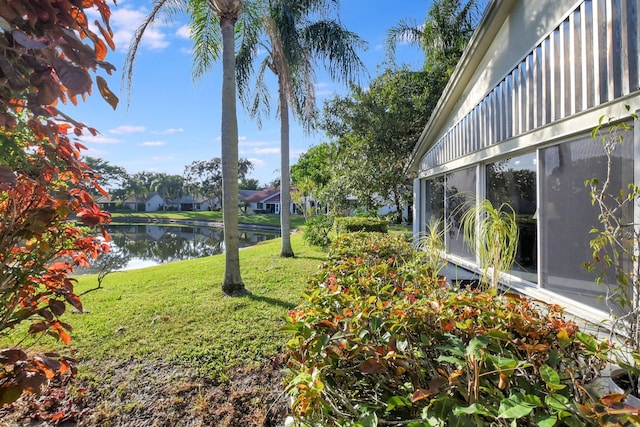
492 234
431 243
317 230
615 247
361 223
377 342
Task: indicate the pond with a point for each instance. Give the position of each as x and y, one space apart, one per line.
144 245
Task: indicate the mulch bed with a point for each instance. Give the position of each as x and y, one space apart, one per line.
146 393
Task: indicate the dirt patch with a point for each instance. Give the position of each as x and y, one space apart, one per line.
143 393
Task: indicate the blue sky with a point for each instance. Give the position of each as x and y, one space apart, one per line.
172 120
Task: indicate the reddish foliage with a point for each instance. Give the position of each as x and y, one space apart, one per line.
43 184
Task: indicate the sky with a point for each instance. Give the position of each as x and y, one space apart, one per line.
170 120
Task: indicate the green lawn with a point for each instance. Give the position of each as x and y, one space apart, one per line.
177 312
253 219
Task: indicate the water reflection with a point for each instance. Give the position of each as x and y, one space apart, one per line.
136 246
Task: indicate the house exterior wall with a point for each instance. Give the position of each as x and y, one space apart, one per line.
153 203
535 80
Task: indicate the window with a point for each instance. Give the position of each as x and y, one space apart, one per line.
567 216
513 181
460 190
435 199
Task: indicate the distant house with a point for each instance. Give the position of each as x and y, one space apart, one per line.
263 201
150 203
105 203
191 203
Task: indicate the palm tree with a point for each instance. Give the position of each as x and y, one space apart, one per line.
159 184
444 35
138 187
213 25
295 40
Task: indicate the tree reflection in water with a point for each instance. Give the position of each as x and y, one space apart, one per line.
145 245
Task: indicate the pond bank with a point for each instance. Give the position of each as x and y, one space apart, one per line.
191 222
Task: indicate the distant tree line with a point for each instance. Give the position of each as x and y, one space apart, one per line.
201 178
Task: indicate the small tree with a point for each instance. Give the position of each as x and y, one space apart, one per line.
616 246
43 184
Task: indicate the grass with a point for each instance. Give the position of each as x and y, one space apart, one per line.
253 219
177 312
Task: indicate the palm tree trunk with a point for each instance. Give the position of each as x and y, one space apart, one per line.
232 284
285 176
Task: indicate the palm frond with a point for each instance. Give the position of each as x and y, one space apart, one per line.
161 9
206 36
337 48
403 32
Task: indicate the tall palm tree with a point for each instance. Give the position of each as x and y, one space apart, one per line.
447 29
139 188
298 33
159 184
213 25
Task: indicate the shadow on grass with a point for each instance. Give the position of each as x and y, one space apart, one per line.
271 301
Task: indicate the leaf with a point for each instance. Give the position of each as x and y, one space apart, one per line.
106 93
420 394
371 366
106 34
74 300
551 377
12 355
37 327
23 40
48 365
474 409
476 344
10 394
546 420
64 336
75 79
557 402
514 408
57 307
397 401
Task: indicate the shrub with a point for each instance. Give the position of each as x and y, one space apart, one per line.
317 231
360 223
377 342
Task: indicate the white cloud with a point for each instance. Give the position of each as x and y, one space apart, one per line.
124 129
170 131
94 153
99 139
258 162
294 154
125 21
184 32
253 143
263 151
324 89
153 143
